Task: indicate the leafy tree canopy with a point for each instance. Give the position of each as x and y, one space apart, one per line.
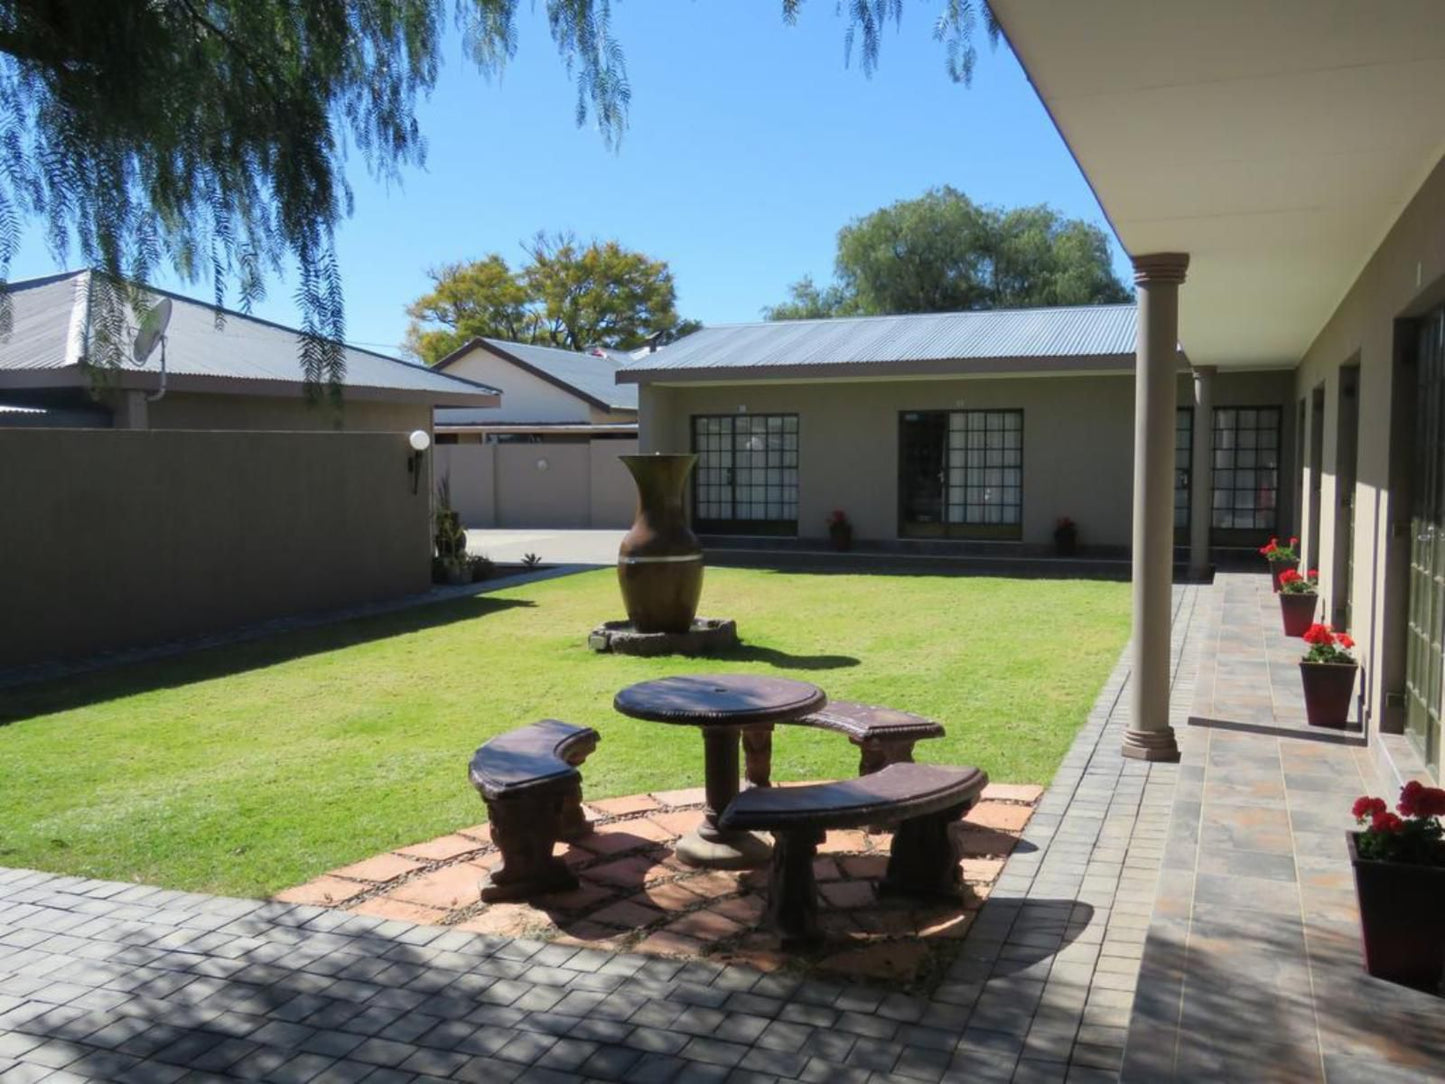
566 294
944 253
210 135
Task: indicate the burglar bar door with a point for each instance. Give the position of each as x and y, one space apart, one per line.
1426 633
746 479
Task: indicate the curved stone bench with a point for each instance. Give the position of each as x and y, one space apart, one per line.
529 780
923 800
883 736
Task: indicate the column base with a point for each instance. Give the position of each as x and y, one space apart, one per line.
1158 745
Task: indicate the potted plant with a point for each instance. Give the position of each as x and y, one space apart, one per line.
1328 673
1399 863
840 531
1280 558
1298 596
1066 537
450 539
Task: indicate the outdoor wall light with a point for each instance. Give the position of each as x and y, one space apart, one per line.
541 464
420 441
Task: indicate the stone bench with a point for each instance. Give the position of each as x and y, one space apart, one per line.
922 800
883 736
529 780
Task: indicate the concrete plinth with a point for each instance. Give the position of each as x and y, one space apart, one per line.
707 636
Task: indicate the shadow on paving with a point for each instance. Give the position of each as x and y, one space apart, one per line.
226 659
240 988
1254 996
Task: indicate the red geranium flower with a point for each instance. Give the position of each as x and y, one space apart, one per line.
1345 640
1431 802
1367 807
1386 822
1318 634
1409 799
1289 575
1293 540
1314 573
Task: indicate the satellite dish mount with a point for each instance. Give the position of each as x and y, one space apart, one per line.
152 333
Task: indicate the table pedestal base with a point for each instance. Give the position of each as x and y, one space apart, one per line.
723 850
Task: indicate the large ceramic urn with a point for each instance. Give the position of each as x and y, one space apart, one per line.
660 562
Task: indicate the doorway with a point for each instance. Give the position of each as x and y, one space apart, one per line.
1425 634
1347 434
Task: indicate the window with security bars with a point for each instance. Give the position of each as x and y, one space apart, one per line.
1246 443
961 473
1183 464
746 478
985 467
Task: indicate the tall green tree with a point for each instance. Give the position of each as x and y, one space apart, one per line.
944 253
567 294
210 135
807 302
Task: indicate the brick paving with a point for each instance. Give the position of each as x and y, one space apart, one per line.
634 895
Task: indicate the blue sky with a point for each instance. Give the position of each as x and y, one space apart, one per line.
750 144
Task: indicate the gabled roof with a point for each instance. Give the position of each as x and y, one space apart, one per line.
50 340
1081 337
591 377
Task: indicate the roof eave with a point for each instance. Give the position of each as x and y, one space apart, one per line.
75 376
943 367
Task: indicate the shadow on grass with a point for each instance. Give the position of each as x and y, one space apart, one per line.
207 663
783 660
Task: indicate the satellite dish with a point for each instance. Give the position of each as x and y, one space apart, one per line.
152 330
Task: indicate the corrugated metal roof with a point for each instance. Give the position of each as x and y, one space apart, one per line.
48 332
595 376
1081 331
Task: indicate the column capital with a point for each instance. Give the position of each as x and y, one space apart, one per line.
1160 267
1205 371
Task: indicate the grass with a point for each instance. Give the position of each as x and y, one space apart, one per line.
248 768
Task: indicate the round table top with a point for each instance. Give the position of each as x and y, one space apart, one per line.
719 699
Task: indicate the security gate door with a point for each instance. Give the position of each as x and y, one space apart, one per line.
746 479
1426 634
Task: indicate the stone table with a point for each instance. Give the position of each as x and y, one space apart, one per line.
722 706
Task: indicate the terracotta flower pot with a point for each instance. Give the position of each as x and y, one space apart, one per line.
1328 687
1278 569
1402 925
1298 611
659 564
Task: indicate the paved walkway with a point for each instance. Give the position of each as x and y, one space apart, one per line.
1252 964
587 548
1249 674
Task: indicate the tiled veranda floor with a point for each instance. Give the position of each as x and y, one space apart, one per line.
1252 964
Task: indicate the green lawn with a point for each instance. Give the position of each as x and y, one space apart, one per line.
248 768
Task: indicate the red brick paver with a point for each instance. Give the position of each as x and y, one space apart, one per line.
634 894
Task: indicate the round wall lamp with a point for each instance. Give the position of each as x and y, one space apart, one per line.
541 464
420 441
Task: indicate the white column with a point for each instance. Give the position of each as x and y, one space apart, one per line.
1201 472
1158 277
